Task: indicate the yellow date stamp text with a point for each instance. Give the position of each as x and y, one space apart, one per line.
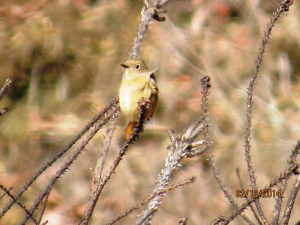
263 193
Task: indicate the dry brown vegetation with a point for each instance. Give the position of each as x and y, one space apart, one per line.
64 57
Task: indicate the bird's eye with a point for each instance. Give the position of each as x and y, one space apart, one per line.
137 66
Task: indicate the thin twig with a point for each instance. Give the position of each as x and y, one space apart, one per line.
2 92
205 86
113 114
44 207
285 175
4 87
45 223
295 190
294 154
4 194
252 209
163 191
291 201
279 201
283 7
97 181
179 148
134 137
113 103
103 154
29 214
282 190
148 12
5 110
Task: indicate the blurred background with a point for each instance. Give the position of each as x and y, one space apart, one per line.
64 58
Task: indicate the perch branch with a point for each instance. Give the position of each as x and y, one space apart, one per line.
180 147
134 137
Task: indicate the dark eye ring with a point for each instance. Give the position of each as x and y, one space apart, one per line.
137 66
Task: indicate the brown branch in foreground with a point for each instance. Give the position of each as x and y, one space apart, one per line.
205 85
163 191
96 194
279 201
8 193
4 87
251 207
45 223
5 110
283 7
103 155
295 153
179 148
285 175
101 115
295 190
43 207
291 202
97 180
4 194
2 92
112 115
293 194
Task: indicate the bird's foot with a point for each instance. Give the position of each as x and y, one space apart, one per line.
144 102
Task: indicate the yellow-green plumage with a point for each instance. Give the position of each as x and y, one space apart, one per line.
138 82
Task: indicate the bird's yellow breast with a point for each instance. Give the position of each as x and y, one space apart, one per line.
131 91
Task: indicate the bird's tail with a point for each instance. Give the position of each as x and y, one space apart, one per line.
129 129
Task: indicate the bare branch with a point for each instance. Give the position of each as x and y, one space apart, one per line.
163 191
8 193
205 85
2 92
291 201
97 181
283 7
74 156
279 201
4 87
148 12
252 209
44 207
4 194
285 175
180 147
134 137
101 115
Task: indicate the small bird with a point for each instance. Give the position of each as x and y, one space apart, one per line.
138 82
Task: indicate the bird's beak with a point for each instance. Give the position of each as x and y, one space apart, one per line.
124 66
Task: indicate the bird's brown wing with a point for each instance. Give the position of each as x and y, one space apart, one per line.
153 104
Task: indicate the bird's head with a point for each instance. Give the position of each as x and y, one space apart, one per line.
134 68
